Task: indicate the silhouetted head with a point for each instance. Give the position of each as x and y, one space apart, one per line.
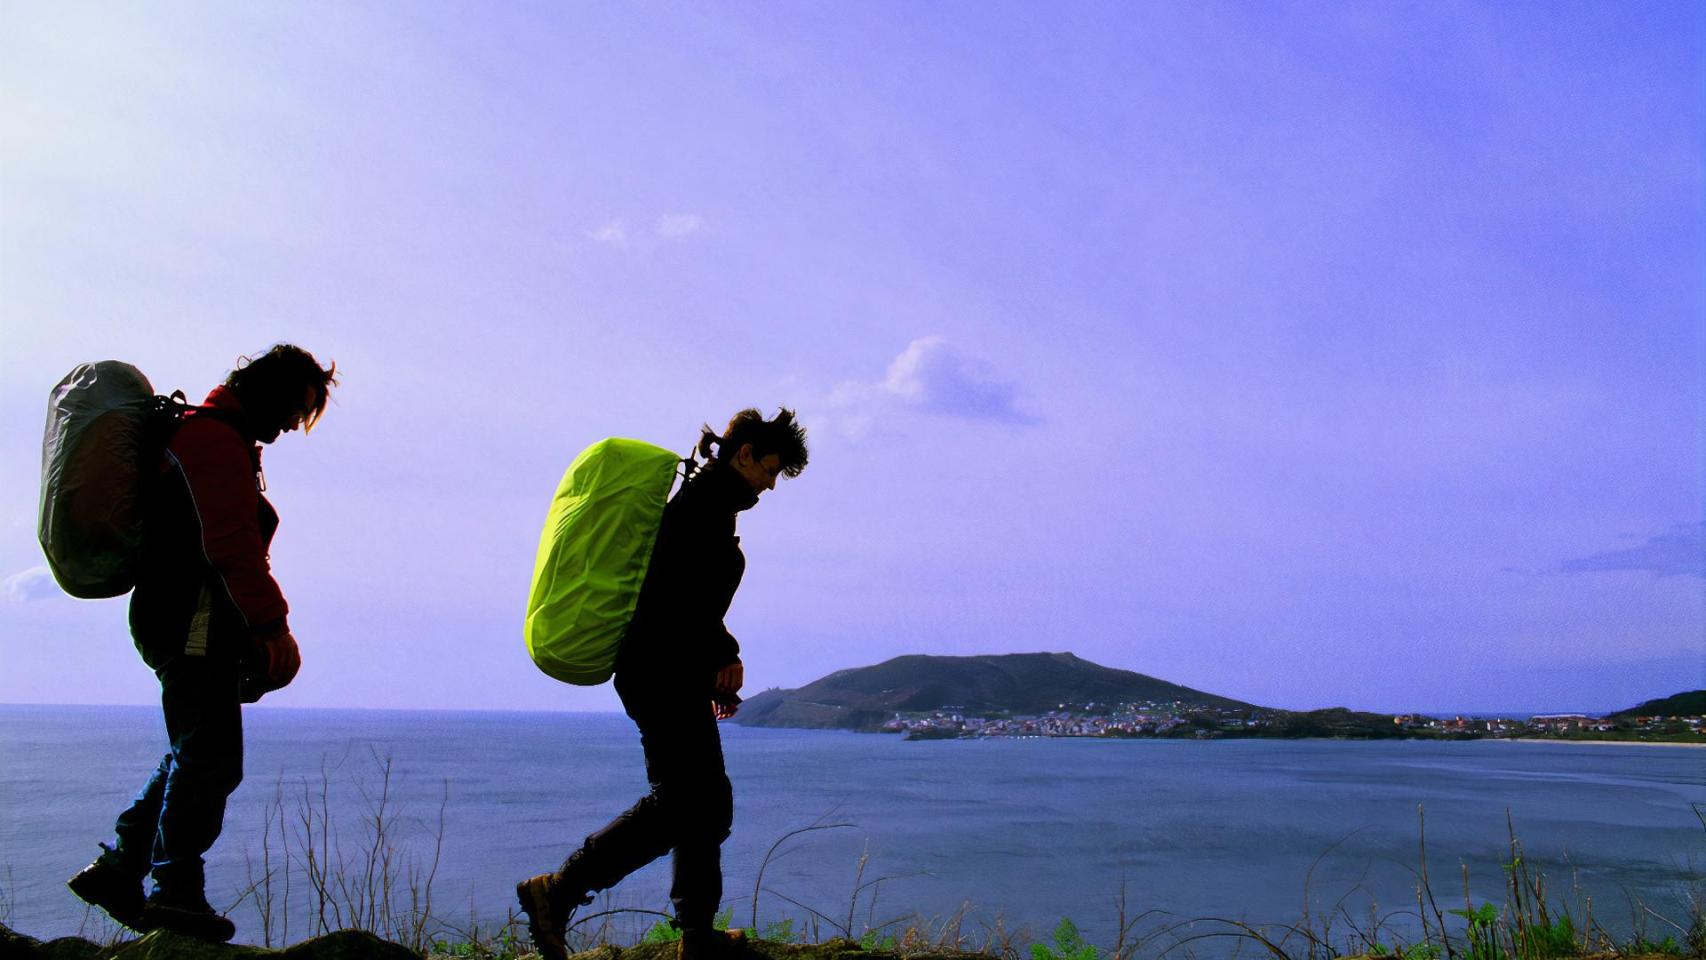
282 389
759 450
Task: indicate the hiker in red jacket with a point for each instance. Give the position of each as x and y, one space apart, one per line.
678 672
210 621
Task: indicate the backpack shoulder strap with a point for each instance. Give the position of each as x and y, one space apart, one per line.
163 415
690 463
166 415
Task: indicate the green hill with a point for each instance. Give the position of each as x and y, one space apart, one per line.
1689 704
862 698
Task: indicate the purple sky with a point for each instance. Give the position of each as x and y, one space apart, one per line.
1310 354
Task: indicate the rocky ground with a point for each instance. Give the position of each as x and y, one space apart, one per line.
160 945
360 945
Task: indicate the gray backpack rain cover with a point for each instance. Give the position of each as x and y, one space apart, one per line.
91 477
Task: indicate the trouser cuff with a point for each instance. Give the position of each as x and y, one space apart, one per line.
180 882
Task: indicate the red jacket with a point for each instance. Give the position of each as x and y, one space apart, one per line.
205 574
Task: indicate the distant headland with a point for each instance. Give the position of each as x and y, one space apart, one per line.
1062 695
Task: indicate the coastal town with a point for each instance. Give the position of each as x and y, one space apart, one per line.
1181 720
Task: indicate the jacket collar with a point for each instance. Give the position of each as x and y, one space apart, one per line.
224 404
724 487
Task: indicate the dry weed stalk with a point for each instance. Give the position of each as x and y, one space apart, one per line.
7 897
377 883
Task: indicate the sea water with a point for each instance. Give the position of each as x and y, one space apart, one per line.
1010 835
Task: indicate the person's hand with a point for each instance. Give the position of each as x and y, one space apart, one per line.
723 710
283 659
729 680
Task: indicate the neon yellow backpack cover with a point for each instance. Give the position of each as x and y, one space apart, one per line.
593 556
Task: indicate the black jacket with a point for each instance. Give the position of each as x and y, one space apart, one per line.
677 631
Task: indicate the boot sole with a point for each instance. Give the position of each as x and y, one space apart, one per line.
128 918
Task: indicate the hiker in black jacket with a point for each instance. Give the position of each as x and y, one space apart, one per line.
678 672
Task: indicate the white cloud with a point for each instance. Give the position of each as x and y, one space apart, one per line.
612 234
668 228
30 585
929 376
679 226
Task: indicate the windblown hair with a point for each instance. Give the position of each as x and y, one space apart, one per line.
271 385
781 436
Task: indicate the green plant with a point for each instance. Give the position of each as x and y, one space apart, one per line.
665 931
1068 945
1668 946
661 932
1536 941
781 931
1415 951
474 944
476 951
1483 932
872 940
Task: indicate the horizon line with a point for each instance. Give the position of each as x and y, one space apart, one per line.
1478 713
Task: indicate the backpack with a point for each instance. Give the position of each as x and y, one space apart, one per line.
105 428
593 557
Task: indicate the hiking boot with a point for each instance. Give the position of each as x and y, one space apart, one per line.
108 885
711 945
548 906
191 917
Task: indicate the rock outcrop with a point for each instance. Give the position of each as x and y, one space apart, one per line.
164 945
361 945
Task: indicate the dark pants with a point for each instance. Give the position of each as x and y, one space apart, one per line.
179 813
689 809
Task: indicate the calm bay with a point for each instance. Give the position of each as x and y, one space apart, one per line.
1020 832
